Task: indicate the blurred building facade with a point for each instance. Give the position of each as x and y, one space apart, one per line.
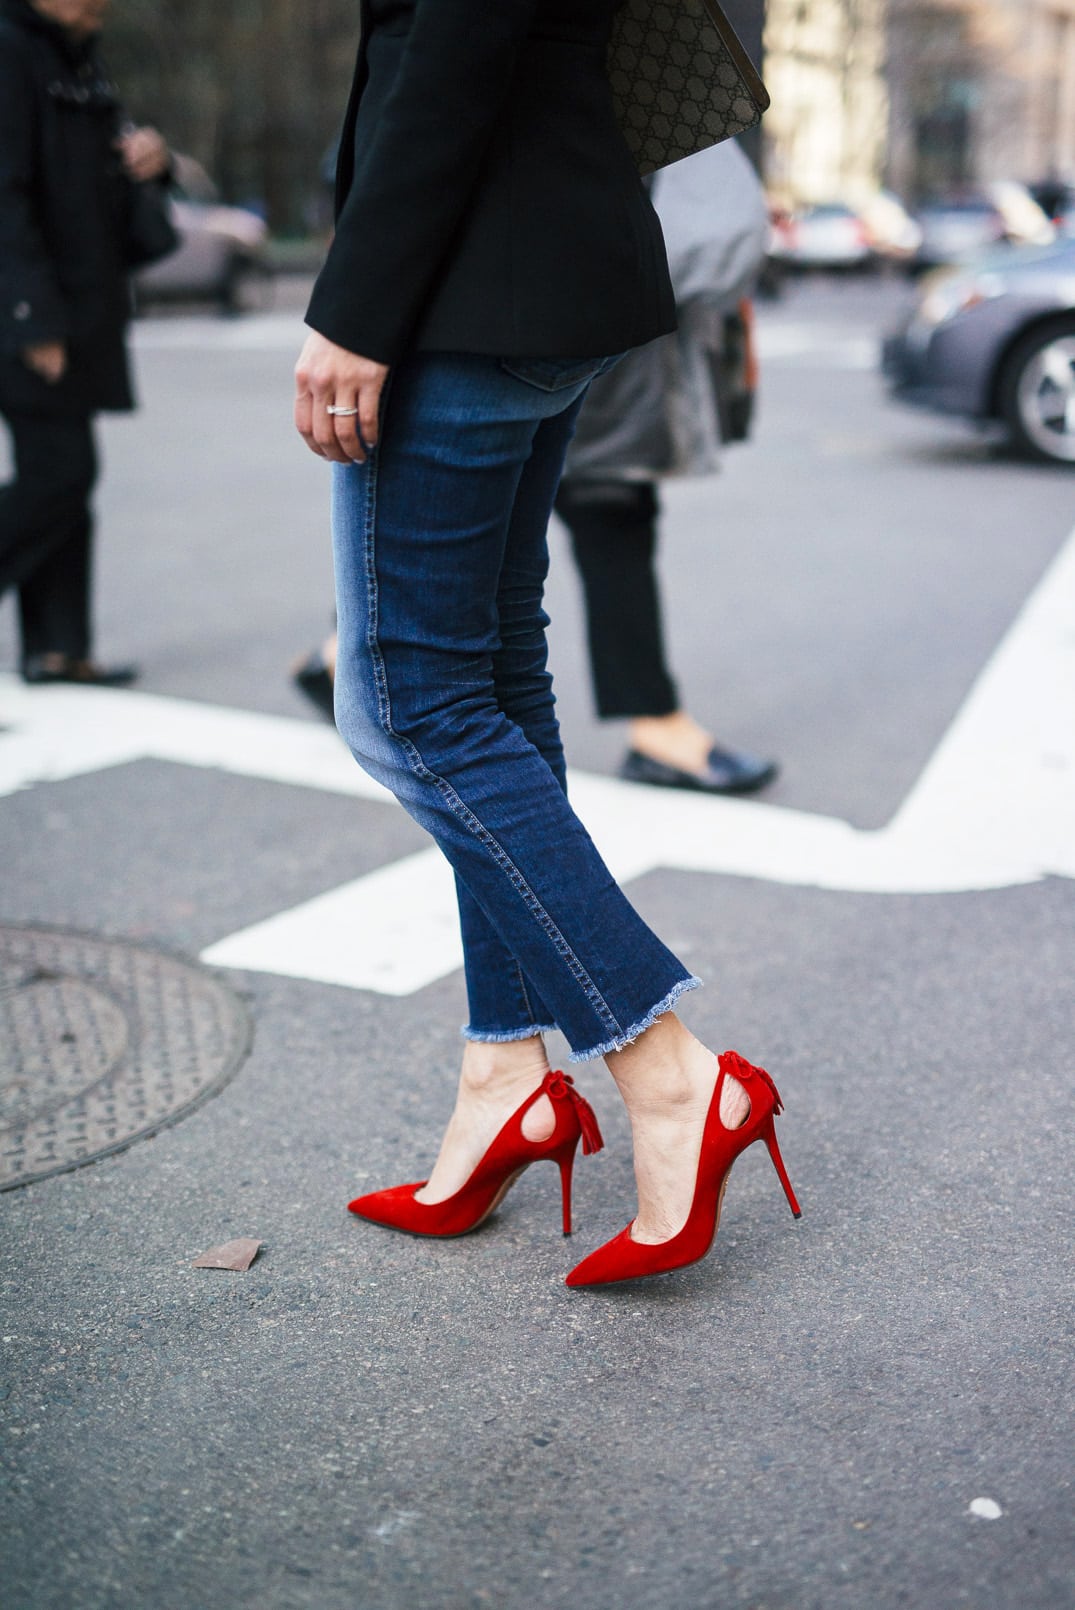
747 17
924 95
827 130
980 90
253 89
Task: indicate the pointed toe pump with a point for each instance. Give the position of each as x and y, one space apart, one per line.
507 1157
624 1258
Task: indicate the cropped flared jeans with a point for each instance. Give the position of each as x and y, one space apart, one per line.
444 695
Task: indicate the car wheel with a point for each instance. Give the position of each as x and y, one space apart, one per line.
1037 393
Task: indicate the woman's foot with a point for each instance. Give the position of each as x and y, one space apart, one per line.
739 1114
315 676
666 1079
495 1081
674 751
675 740
38 669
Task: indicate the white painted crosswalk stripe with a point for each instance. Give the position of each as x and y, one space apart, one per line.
394 931
994 807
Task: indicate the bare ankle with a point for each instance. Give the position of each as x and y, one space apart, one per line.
496 1079
676 739
489 1066
666 1067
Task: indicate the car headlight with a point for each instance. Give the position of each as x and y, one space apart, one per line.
951 292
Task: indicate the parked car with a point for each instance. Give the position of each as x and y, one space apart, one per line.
829 235
221 252
995 341
955 227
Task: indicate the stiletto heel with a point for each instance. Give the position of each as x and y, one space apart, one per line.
624 1258
497 1171
769 1137
567 1164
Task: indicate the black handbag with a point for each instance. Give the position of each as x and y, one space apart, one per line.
681 80
150 233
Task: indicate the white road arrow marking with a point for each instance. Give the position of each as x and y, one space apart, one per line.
994 807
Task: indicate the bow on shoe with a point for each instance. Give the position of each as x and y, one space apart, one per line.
733 1066
561 1087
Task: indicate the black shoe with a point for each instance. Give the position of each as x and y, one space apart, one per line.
313 679
728 771
41 668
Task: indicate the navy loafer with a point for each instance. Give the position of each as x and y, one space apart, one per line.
727 771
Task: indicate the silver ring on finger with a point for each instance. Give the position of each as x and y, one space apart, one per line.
348 413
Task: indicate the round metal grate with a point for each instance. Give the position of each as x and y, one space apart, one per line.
102 1043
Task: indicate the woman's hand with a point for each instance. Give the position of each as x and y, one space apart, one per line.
329 376
47 359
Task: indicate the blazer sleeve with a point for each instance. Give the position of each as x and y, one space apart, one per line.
413 180
32 305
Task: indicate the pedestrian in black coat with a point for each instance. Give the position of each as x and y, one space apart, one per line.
73 175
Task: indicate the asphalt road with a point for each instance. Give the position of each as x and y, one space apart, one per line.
803 1421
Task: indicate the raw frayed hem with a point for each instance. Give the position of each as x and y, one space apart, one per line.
489 1037
629 1036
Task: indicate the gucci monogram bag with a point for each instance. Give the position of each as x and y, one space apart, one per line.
681 80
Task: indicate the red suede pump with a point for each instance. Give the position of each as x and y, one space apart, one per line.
507 1157
623 1258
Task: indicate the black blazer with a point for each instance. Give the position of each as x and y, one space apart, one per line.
486 200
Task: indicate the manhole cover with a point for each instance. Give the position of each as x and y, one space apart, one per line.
102 1043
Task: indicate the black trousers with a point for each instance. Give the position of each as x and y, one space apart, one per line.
613 529
46 533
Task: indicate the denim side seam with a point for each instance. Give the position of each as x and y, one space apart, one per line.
529 1032
380 681
476 828
526 994
632 1034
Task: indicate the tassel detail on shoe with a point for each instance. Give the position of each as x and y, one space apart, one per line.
560 1086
